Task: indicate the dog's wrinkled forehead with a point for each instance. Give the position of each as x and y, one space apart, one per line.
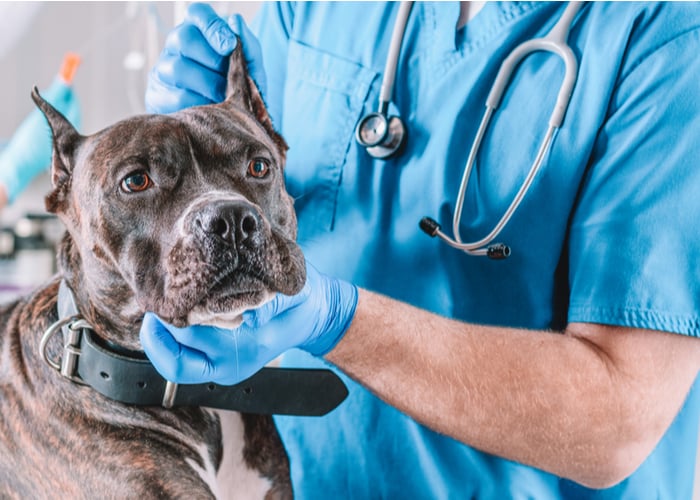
132 143
216 130
175 145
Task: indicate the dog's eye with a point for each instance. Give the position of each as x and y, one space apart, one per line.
258 168
136 182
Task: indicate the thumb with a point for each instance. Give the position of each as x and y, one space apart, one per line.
255 318
160 346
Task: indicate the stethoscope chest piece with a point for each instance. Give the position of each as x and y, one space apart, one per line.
382 136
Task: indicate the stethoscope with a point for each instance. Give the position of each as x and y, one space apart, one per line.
383 135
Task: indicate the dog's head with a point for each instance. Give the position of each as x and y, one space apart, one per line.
185 215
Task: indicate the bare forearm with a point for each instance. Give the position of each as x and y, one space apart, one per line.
553 401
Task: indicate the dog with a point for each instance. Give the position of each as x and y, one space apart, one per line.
185 215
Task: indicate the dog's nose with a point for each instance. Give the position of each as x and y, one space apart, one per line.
234 223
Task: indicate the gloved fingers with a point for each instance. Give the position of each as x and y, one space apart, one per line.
214 29
173 361
166 98
192 68
209 340
187 41
252 51
178 72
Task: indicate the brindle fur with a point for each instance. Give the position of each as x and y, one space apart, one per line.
124 254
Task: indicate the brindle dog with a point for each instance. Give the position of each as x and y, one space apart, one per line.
185 215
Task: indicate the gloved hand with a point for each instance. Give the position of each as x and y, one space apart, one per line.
314 320
192 67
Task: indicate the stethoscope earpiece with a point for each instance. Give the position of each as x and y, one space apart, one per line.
494 251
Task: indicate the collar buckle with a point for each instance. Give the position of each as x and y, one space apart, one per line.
67 365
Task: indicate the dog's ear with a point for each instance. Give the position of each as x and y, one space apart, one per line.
242 92
66 141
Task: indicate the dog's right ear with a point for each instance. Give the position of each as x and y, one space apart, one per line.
66 141
242 92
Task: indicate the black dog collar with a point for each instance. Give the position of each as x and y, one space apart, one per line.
127 376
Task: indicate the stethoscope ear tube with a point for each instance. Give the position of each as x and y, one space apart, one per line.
554 42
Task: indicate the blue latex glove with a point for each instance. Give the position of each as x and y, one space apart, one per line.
314 320
193 65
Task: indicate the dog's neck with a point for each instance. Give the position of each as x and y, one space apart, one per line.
110 306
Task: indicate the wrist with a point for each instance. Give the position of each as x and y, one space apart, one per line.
342 299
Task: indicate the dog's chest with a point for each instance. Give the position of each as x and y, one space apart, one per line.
234 478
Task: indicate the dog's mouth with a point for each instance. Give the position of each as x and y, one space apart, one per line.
231 292
230 285
222 299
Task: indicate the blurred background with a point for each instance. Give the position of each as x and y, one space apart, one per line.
118 43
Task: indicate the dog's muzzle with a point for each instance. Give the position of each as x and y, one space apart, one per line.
229 257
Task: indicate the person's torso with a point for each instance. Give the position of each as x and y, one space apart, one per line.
358 217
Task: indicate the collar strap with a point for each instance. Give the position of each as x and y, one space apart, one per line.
129 377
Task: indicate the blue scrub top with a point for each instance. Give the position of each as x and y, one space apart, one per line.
607 234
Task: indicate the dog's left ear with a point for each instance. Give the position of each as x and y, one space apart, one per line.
242 92
66 141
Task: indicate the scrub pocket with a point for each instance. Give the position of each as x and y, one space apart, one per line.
323 100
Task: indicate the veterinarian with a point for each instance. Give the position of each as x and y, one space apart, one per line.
567 369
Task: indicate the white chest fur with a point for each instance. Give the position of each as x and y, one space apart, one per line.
234 479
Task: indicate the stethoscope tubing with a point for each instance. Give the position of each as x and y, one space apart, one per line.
388 142
554 42
387 89
479 247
